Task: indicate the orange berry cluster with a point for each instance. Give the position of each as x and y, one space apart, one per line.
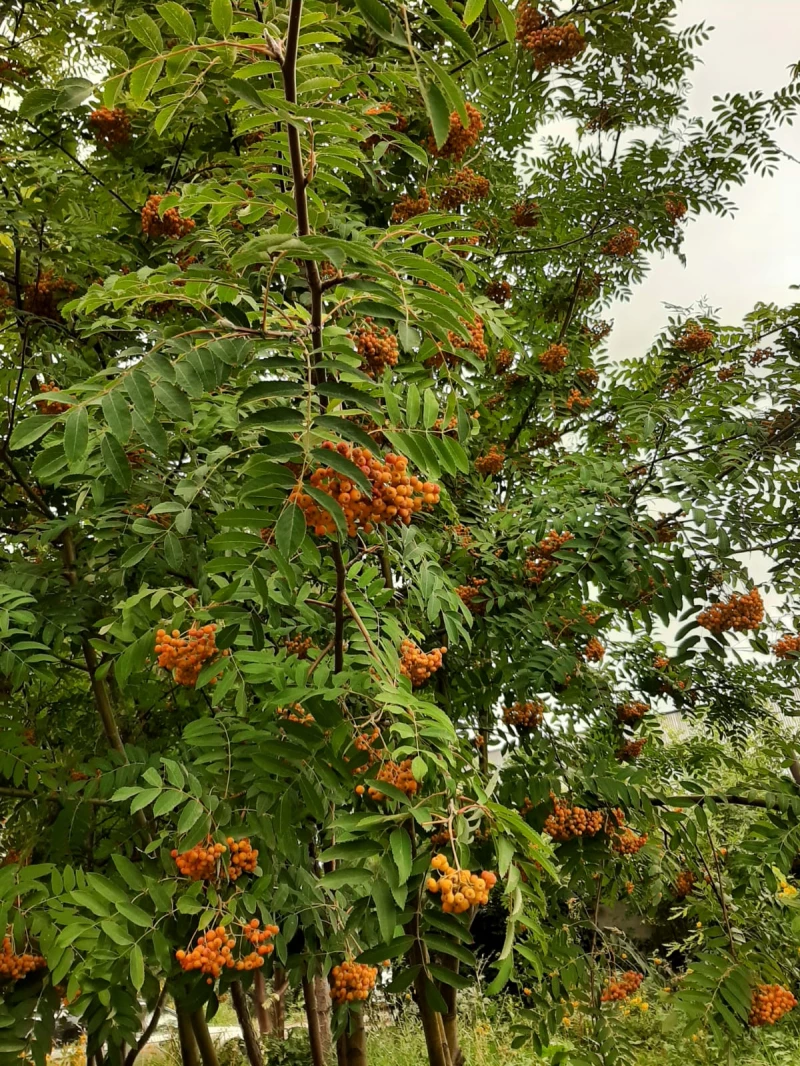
298 646
597 330
684 884
695 340
527 715
14 967
352 982
213 952
526 214
459 889
476 342
540 563
499 292
622 244
42 295
492 462
295 712
461 533
112 129
787 647
769 1004
51 407
460 138
675 207
472 595
554 359
632 750
740 613
622 988
400 125
170 224
407 207
463 187
661 662
200 863
628 843
631 712
397 774
503 360
418 665
244 858
576 400
377 348
186 656
529 20
567 823
761 355
594 651
588 377
365 742
395 495
554 46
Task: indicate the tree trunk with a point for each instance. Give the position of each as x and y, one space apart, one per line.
279 985
432 1026
322 1002
341 1050
314 1039
251 1044
356 1041
190 1056
208 1053
450 1019
263 1016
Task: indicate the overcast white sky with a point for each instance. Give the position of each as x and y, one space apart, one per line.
755 255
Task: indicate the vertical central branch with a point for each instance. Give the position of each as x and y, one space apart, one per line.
338 608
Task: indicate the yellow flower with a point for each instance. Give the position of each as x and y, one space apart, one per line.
699 925
644 1007
787 891
566 1022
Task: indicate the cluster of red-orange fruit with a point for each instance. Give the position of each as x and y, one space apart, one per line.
577 401
112 128
594 651
202 862
741 613
551 45
298 646
631 751
42 295
769 1004
400 124
393 773
213 952
631 712
492 462
186 656
528 714
540 561
684 884
568 823
418 665
498 292
554 359
377 347
460 138
14 967
661 662
503 360
365 742
761 355
622 244
628 842
51 407
170 224
459 890
243 858
787 647
526 214
622 988
476 343
351 982
296 713
695 340
463 187
472 595
396 496
675 207
409 206
588 377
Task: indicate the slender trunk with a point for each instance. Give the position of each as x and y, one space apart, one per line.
322 1002
314 1039
450 1019
341 1050
251 1044
208 1053
279 985
432 1025
190 1056
356 1040
338 609
263 1016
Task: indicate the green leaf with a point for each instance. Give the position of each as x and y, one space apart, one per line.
179 19
165 116
141 393
118 415
330 505
129 872
345 875
174 400
137 967
438 111
449 977
222 16
344 428
400 946
472 10
401 852
449 947
375 15
351 849
290 529
36 102
454 95
143 79
144 29
430 408
189 815
507 19
167 802
385 908
30 430
412 406
144 799
346 467
152 433
502 976
116 461
121 937
135 914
